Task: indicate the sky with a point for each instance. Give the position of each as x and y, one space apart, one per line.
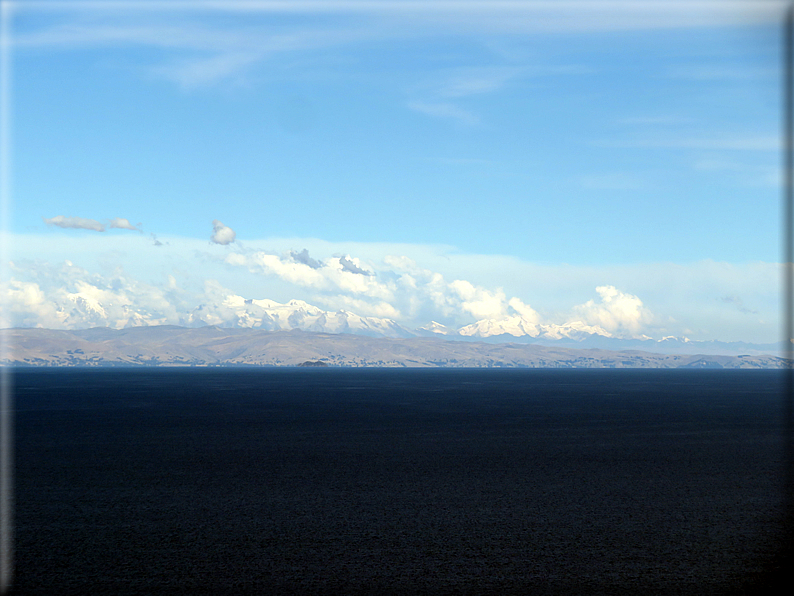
615 163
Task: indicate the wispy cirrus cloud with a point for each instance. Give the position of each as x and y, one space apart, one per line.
463 82
444 110
771 143
204 43
719 72
739 304
439 95
194 51
506 16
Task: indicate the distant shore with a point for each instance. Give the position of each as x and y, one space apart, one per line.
215 346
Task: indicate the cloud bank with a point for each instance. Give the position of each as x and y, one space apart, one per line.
122 281
65 296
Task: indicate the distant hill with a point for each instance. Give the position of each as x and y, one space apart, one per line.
215 346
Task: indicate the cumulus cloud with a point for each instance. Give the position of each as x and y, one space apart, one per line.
282 267
78 223
703 300
222 234
524 311
26 305
123 224
396 287
480 302
65 296
617 312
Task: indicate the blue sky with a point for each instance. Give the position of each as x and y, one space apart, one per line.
534 151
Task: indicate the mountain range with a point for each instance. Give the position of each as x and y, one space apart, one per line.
269 315
268 333
215 346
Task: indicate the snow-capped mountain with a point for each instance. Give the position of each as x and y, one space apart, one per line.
296 314
576 334
518 326
435 328
232 311
236 311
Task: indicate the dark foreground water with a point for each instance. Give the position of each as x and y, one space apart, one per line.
317 481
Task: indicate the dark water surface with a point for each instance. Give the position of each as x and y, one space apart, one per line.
327 481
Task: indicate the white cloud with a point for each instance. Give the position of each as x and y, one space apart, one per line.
296 273
77 223
26 305
617 312
479 302
396 285
222 234
217 306
68 297
84 223
525 311
420 282
123 224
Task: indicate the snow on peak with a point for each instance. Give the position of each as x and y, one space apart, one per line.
519 326
297 314
573 330
438 328
516 325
